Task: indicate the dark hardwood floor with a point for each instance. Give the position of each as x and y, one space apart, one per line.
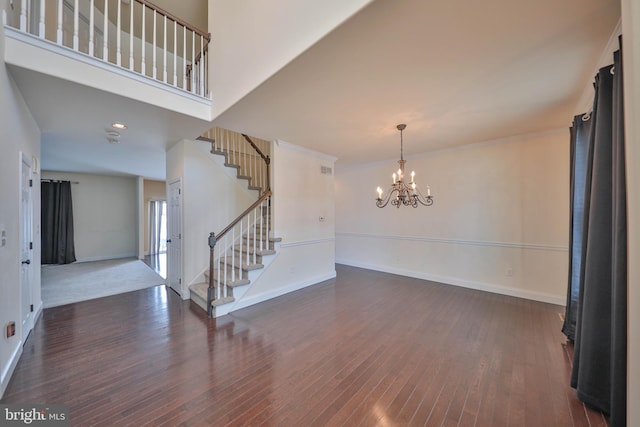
366 348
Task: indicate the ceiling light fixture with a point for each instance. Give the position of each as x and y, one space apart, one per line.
402 193
113 137
119 125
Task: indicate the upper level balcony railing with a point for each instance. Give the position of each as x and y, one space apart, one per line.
132 34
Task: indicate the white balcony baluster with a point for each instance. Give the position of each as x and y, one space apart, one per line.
175 53
184 58
23 16
155 35
41 19
76 13
105 29
119 34
201 66
131 63
59 29
164 52
143 65
91 27
193 59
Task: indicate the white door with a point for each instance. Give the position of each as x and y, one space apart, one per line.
26 247
174 241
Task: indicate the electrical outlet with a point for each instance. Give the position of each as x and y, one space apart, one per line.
3 238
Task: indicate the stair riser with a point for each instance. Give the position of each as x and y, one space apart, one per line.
247 260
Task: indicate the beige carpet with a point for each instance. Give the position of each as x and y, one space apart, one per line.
81 281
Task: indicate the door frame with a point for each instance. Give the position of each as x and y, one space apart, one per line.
170 259
27 308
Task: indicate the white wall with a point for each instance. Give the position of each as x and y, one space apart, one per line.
499 221
631 34
105 215
304 217
258 40
211 199
19 134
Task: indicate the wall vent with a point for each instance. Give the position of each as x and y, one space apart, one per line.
326 170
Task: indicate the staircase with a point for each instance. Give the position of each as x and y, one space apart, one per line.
240 252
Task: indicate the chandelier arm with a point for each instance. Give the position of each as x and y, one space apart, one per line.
424 200
381 203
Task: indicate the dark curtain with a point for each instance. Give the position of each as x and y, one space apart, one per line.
600 354
580 132
57 223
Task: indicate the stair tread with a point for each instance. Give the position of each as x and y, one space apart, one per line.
200 289
221 301
244 267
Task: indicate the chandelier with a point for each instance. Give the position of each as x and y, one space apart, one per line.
402 193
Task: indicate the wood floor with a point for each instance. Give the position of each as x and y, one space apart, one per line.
364 349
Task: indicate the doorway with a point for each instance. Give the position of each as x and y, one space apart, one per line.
174 241
26 247
157 258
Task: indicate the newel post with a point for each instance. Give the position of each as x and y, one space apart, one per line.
211 293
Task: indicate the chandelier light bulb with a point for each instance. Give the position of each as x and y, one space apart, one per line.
394 177
379 190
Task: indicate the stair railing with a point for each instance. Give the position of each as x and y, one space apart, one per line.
243 152
240 243
134 35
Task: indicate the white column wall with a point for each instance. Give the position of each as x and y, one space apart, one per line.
304 217
20 134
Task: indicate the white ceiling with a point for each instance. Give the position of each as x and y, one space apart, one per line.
74 121
456 72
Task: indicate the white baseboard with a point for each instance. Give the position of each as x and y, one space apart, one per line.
7 372
480 286
246 302
38 313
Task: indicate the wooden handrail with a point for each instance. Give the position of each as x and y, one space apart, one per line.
163 12
262 198
255 147
199 55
